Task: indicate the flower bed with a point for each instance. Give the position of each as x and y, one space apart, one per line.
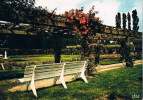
33 55
110 56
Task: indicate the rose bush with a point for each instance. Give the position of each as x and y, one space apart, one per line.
85 23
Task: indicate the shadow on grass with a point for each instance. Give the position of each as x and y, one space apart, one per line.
115 96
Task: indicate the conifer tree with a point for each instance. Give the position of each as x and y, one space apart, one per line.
129 21
118 20
124 20
135 20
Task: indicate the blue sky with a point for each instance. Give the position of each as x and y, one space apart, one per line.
107 8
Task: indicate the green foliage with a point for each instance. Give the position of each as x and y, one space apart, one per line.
14 11
129 21
135 20
119 84
118 20
124 20
24 11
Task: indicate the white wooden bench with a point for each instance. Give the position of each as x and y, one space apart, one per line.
39 72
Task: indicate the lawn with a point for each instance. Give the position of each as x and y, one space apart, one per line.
109 61
64 58
115 84
46 58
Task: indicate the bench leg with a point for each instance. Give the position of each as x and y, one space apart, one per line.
83 74
32 85
63 82
84 78
33 88
62 78
2 66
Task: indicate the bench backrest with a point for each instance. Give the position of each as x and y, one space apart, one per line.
48 70
74 67
28 73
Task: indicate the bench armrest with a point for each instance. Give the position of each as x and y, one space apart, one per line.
21 80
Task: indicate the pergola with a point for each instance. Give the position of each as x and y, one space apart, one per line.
57 29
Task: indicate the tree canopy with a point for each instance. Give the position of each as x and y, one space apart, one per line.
129 21
135 20
124 17
118 20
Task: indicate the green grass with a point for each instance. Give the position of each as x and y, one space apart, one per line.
47 57
118 83
109 61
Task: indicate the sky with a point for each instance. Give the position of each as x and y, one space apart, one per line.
107 8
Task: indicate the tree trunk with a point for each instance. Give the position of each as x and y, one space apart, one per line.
126 53
57 55
58 43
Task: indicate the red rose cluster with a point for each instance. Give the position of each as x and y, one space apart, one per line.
83 22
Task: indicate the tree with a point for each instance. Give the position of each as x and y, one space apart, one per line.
129 21
118 20
135 20
14 10
57 44
124 20
23 11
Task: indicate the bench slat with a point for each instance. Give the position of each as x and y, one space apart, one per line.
69 72
45 76
47 67
27 79
79 66
27 75
75 64
43 70
72 69
56 64
48 73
